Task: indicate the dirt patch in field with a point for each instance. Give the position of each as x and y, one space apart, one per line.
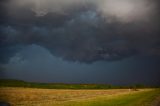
156 102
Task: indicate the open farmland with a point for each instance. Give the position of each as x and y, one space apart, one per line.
66 97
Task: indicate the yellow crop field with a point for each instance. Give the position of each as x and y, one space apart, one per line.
66 97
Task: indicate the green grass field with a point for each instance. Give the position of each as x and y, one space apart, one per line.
145 98
67 97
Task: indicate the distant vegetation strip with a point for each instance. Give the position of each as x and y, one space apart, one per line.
19 83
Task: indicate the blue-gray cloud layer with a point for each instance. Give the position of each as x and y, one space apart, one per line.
35 63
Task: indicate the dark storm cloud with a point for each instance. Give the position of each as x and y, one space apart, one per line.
84 32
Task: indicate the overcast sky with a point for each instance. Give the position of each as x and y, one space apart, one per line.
80 41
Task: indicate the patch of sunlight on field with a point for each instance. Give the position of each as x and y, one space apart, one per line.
53 97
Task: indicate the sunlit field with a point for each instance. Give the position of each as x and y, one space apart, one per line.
63 97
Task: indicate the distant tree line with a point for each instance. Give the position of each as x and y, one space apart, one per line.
19 83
